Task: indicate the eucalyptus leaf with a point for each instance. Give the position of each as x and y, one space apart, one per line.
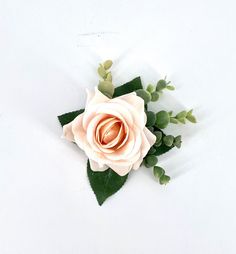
146 96
162 119
107 64
158 172
161 148
164 179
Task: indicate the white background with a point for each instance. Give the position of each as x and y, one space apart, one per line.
49 52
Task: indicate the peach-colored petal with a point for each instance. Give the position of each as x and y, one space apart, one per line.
135 105
96 167
122 171
67 132
148 140
150 136
95 97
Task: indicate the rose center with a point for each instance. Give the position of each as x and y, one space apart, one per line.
111 133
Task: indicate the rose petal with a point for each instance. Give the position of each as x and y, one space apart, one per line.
96 167
122 171
67 132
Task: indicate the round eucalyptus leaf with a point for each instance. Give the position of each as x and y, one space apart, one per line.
162 119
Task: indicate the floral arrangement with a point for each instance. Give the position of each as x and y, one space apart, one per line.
118 133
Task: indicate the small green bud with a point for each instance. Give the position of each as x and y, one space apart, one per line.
162 119
150 88
107 64
107 88
158 135
173 120
157 144
170 88
161 84
164 179
191 119
146 96
178 138
190 112
151 118
109 77
101 71
158 172
168 140
152 150
181 115
181 120
155 96
150 161
178 141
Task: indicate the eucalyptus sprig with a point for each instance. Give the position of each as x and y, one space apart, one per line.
159 173
163 118
152 92
105 85
182 116
164 84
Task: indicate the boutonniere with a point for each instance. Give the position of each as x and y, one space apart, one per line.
118 133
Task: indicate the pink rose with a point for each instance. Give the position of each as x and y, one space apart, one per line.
112 132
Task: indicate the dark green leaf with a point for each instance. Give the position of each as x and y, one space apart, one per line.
68 117
129 87
105 184
162 149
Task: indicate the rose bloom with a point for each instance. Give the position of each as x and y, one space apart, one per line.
112 132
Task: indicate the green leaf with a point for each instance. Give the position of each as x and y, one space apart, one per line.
129 87
173 120
150 160
164 179
181 115
107 88
101 71
191 118
162 148
158 135
158 172
178 141
150 88
104 184
162 119
168 140
146 96
161 84
151 118
182 120
152 150
155 96
171 88
68 117
107 64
